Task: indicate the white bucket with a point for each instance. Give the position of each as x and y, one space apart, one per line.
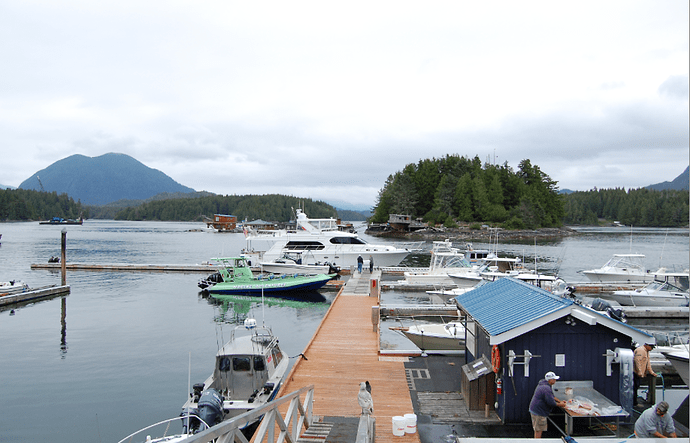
410 423
399 425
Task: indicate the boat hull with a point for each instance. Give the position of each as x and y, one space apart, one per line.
603 277
631 298
272 286
680 364
290 268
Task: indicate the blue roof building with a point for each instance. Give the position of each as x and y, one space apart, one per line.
533 331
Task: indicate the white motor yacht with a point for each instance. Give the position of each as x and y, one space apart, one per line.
324 242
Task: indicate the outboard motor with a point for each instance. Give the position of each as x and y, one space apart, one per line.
601 305
211 407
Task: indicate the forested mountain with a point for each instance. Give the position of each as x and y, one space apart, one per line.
457 188
636 207
272 207
103 179
24 205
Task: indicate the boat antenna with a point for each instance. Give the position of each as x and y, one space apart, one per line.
662 248
631 226
263 305
189 384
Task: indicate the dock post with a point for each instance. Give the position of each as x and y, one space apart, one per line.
63 255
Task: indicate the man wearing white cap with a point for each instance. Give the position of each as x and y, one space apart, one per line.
542 402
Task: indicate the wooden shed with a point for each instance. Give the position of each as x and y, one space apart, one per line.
526 331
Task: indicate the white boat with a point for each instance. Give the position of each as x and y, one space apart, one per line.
435 337
656 293
445 259
294 263
324 242
12 287
248 373
621 268
678 357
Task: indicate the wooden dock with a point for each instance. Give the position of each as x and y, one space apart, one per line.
345 352
127 267
34 294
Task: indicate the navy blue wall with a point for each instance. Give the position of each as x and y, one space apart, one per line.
584 347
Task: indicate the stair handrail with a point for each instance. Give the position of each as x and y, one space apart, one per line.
298 415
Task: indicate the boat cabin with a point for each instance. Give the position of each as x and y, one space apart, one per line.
222 222
245 364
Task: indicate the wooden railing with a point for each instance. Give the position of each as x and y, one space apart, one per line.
298 417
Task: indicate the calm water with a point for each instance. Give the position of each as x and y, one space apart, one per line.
120 359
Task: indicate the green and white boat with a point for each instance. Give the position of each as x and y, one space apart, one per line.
234 276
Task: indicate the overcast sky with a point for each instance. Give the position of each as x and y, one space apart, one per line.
327 99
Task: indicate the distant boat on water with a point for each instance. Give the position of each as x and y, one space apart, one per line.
62 221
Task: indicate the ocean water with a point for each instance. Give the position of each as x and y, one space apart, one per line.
117 354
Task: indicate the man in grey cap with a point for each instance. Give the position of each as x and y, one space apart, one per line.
655 423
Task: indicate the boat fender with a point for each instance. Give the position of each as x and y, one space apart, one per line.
495 358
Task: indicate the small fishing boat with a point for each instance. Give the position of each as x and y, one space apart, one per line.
293 262
621 268
62 221
248 373
435 336
234 276
656 293
12 287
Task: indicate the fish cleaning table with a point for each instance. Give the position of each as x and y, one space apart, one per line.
583 401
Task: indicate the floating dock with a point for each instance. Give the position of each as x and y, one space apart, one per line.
34 294
126 267
345 352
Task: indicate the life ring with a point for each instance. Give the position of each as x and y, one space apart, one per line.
495 358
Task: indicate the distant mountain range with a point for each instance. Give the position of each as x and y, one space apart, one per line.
116 177
680 182
104 179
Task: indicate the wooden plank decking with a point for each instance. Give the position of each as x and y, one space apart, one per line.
344 352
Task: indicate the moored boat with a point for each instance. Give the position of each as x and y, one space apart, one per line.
445 259
656 293
621 268
62 221
435 336
325 242
248 372
12 287
234 276
294 262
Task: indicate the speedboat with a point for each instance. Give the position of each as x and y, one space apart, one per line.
678 357
656 293
621 268
247 374
324 242
445 259
235 277
294 262
438 337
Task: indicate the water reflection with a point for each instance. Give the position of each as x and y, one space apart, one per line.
234 309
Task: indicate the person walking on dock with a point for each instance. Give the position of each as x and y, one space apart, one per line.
542 402
371 264
642 369
360 262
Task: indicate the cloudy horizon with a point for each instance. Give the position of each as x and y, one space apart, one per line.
326 100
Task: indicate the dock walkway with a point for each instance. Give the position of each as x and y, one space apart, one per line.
345 352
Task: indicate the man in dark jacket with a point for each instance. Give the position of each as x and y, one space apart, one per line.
542 402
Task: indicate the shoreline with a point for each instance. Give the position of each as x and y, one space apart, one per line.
477 234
